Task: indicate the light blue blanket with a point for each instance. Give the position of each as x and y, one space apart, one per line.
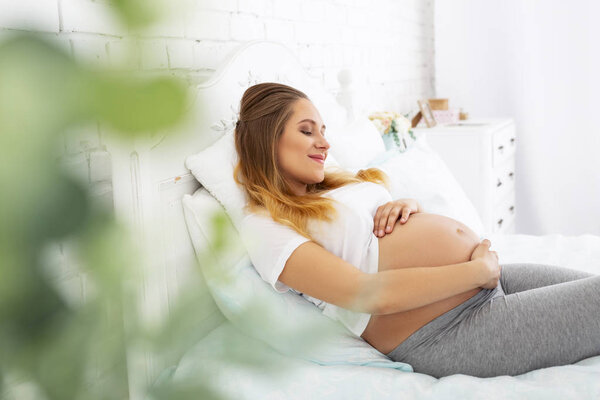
240 367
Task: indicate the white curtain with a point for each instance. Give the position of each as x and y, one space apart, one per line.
538 62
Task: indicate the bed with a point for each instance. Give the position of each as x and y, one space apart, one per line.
158 194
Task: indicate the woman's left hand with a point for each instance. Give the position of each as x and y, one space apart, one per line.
387 214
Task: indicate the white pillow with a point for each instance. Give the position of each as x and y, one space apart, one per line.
421 174
286 321
356 144
213 168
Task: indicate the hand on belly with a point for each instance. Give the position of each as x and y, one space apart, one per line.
426 240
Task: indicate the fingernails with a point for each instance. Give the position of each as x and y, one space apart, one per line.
380 232
389 228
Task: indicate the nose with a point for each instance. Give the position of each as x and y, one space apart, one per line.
322 143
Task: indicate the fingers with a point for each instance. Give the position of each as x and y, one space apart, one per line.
377 221
405 214
392 218
488 243
386 217
384 224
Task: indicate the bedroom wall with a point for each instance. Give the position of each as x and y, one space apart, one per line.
536 62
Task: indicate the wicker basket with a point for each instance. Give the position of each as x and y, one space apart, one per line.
438 104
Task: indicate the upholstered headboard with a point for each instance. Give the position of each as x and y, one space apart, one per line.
150 178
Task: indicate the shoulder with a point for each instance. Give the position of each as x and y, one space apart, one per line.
256 219
365 186
256 214
372 186
261 223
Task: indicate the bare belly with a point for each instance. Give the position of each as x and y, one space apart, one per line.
425 240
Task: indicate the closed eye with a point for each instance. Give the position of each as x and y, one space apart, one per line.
310 133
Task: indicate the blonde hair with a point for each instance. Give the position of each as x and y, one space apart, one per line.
264 110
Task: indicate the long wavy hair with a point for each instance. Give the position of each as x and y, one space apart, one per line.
264 110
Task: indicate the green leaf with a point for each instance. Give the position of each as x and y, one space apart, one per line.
136 105
138 14
60 210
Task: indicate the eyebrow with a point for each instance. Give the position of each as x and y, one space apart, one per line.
310 120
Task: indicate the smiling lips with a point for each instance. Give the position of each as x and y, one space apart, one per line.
320 158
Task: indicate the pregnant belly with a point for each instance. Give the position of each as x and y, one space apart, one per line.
425 240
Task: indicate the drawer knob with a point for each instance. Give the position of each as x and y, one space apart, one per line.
511 174
512 140
499 183
501 148
511 209
500 222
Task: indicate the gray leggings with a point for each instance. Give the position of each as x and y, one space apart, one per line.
539 316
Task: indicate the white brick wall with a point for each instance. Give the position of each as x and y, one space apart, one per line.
40 15
88 16
388 44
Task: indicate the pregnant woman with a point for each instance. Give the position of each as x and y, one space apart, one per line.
418 287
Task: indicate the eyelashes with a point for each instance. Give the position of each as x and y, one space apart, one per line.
309 133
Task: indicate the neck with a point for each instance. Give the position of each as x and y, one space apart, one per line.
299 189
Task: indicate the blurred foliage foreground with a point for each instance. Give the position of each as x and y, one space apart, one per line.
53 346
56 345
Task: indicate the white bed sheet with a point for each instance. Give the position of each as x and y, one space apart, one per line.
289 378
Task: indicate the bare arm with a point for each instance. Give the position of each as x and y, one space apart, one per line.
317 272
313 270
405 289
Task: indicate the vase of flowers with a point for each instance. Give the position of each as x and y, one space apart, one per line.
394 128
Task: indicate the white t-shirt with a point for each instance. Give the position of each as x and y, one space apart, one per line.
350 236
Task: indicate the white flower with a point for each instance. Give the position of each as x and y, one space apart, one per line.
403 124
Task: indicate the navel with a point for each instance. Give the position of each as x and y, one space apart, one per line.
458 230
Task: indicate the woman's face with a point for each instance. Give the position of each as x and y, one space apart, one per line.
302 148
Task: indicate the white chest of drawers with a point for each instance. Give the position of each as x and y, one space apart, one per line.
481 155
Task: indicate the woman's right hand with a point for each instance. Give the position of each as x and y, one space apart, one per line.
492 270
